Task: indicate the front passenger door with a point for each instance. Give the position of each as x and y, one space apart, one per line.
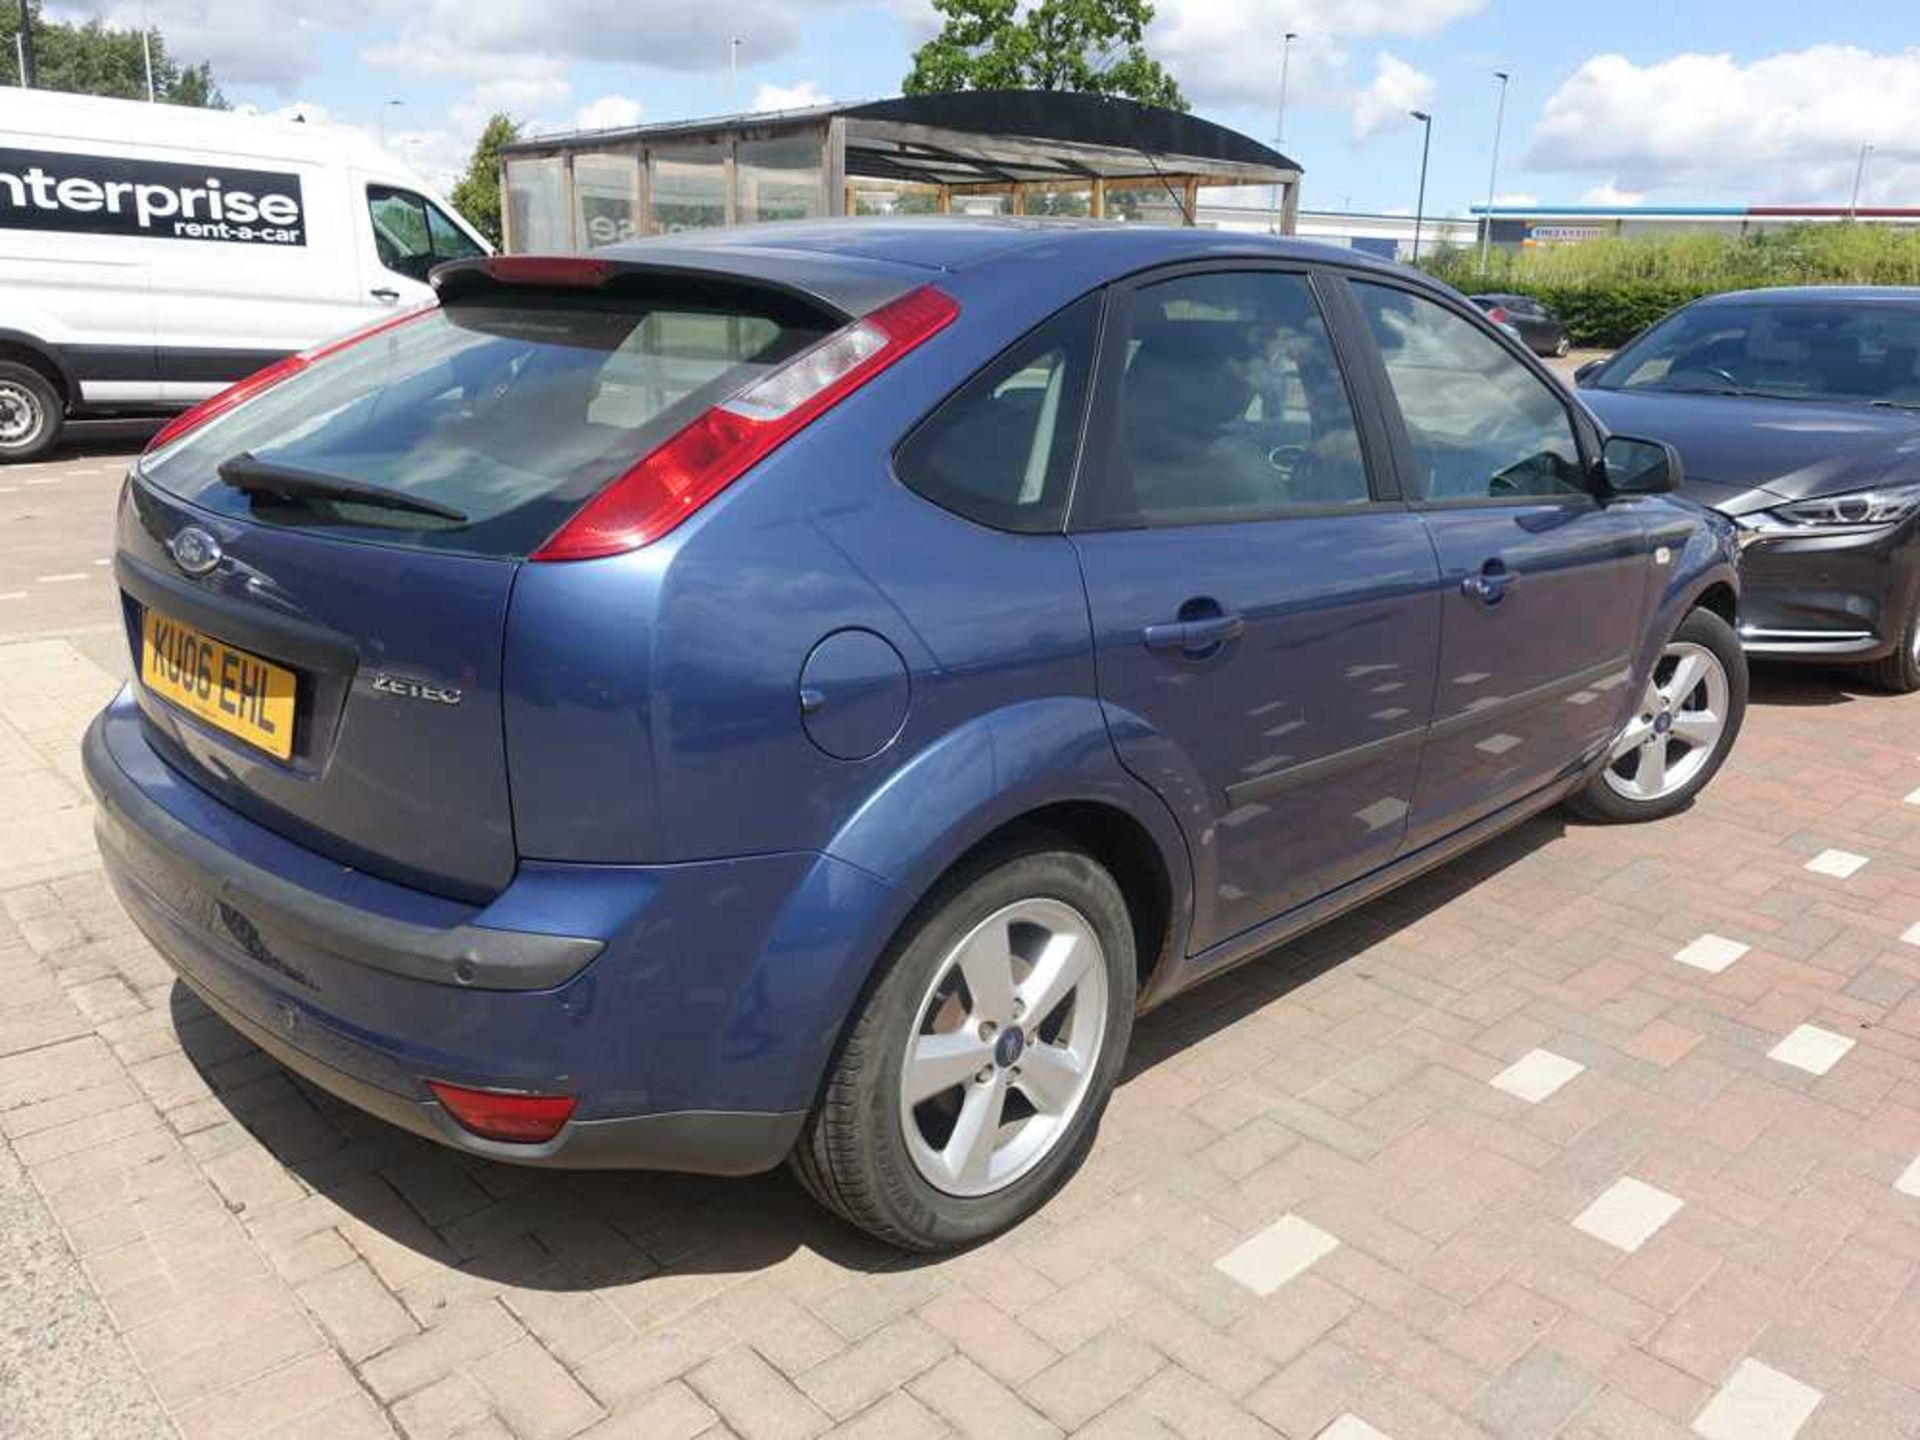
1543 582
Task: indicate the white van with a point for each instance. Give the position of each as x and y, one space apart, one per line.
151 254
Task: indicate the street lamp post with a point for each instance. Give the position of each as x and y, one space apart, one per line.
1859 174
1280 123
733 72
1420 204
1493 168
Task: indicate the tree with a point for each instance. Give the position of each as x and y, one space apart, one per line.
91 59
1096 46
477 195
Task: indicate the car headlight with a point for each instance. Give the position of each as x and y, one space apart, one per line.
1856 510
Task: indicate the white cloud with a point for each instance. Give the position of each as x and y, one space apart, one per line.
609 112
1608 193
1395 89
789 97
1516 197
1786 127
276 44
1229 54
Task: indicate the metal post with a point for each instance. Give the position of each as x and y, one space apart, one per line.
1280 121
146 52
1493 168
23 46
1420 205
733 73
1859 174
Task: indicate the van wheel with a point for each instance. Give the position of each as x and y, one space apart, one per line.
30 413
1687 720
971 1083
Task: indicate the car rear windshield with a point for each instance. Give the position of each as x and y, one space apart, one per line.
484 424
1789 350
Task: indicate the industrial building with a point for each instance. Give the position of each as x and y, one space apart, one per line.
1518 226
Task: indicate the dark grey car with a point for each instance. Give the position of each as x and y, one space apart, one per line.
1542 331
1797 413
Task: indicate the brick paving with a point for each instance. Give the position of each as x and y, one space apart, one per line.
1596 1133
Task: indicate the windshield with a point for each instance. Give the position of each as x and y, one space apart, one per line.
1792 350
498 417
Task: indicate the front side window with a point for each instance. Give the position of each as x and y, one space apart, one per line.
1000 450
1481 425
411 234
1232 406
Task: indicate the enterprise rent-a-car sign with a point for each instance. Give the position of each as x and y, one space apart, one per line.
118 195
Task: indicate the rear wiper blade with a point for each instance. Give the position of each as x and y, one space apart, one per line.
251 475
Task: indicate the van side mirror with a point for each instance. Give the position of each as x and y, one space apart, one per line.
1640 467
1587 371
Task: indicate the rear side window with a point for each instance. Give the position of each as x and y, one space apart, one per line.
1000 449
508 410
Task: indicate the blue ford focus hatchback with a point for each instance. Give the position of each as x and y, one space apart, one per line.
797 694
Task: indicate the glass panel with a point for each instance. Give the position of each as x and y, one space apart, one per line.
1145 202
1232 406
993 202
536 205
872 197
1000 451
689 187
1059 200
450 242
1481 424
778 179
606 199
400 235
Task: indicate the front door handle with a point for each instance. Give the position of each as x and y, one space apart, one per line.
384 293
1490 586
1197 638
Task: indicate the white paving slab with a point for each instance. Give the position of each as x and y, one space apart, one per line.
1811 1049
1913 797
1283 1250
1712 953
1912 935
1536 1075
1351 1427
1757 1403
1909 1181
1627 1213
1840 864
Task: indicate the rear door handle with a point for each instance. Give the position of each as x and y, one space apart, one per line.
383 293
1490 586
1194 637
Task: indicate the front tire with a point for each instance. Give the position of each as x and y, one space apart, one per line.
1900 671
30 413
1680 733
973 1079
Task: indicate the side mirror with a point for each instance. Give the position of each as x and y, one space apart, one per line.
1587 371
1640 467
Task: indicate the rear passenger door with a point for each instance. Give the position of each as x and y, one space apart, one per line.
1543 581
1263 605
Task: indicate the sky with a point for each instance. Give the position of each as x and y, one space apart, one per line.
1633 101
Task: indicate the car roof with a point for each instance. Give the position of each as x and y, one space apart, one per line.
955 244
1819 294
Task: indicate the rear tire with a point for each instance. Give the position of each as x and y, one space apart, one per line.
1900 671
30 413
1691 718
1562 346
911 1171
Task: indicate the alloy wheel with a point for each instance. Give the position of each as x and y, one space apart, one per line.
1008 1039
1674 733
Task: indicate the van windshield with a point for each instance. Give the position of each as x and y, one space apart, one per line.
505 412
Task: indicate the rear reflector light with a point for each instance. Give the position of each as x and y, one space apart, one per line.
689 468
1497 315
499 1115
265 379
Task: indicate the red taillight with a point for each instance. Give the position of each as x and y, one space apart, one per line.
1497 315
499 1115
264 379
709 454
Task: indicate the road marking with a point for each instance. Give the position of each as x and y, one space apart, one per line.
103 562
45 479
61 579
14 595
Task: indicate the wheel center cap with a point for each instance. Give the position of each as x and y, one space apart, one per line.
1662 723
1008 1048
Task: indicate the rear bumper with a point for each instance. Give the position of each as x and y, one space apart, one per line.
1836 598
681 1058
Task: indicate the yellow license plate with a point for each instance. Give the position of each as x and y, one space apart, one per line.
228 688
